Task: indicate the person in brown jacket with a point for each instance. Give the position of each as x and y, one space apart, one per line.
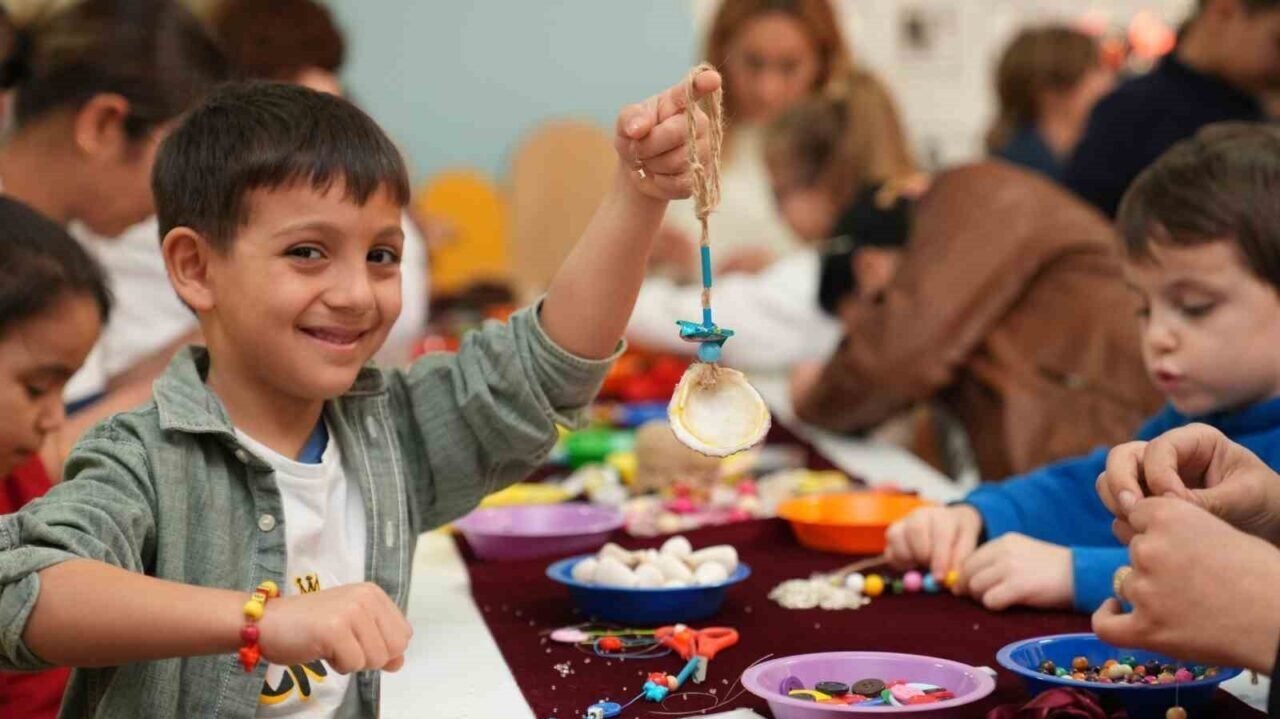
1009 308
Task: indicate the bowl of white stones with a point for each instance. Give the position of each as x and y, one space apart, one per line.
651 586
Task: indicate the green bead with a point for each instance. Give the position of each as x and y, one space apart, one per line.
898 586
1061 672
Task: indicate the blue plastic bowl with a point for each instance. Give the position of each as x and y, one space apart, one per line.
1140 701
653 607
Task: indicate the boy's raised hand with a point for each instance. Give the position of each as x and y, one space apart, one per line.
354 627
653 136
1200 465
940 538
1200 590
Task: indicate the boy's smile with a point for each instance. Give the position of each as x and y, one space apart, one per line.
306 292
1209 327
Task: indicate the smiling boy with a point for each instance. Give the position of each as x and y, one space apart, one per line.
276 454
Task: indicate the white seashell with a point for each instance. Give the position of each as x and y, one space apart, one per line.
674 584
612 573
673 568
612 550
649 576
723 554
585 571
646 556
677 547
717 412
710 573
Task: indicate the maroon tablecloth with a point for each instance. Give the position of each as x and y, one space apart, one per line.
519 604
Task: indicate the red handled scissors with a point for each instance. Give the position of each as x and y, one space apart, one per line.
703 644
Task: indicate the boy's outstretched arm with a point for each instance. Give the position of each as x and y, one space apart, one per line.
590 300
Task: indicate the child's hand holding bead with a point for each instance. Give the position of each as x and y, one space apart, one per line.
1016 570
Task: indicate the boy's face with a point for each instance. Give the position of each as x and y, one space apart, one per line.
1210 327
307 291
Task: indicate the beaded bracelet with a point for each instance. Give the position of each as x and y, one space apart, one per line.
250 653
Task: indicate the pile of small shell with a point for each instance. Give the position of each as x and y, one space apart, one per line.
818 591
675 565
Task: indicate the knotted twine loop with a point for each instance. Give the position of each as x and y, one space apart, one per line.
706 177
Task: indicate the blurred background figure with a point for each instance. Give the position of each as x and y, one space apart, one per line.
1047 82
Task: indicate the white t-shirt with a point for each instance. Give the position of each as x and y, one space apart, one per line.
325 533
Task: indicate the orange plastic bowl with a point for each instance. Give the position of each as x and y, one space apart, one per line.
851 523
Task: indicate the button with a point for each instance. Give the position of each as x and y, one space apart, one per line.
868 687
243 456
266 522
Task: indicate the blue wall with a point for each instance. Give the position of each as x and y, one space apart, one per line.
456 82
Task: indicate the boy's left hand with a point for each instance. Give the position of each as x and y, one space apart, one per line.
1200 589
653 137
1018 570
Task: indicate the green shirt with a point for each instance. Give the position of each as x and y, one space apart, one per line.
167 490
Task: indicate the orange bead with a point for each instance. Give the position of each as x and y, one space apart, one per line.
269 589
249 657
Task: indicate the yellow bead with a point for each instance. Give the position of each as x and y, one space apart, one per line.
874 585
269 588
951 579
253 609
1176 713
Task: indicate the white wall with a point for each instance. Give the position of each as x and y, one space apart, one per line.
456 82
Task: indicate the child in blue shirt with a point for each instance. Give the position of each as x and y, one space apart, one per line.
277 454
1201 233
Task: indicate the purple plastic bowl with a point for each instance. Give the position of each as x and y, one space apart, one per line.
766 679
538 531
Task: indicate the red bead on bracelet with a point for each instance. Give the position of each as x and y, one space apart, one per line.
250 652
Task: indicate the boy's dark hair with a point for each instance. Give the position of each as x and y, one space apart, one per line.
154 53
1221 185
277 39
266 135
40 264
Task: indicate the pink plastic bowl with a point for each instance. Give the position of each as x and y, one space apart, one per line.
765 680
538 531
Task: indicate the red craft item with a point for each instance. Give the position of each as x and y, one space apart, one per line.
610 644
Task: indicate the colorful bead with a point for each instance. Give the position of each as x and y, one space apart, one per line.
952 579
1061 671
855 582
1080 664
269 588
898 586
875 585
253 610
1119 671
1183 675
930 584
249 634
1176 713
912 581
249 657
1047 667
610 644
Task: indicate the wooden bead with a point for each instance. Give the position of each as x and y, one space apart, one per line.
1176 713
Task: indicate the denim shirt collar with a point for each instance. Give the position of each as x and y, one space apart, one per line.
186 404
